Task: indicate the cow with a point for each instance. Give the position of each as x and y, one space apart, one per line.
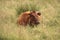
30 18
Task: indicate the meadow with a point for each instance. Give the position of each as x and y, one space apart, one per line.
48 29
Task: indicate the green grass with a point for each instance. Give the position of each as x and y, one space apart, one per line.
49 29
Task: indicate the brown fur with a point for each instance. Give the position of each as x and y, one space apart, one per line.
29 17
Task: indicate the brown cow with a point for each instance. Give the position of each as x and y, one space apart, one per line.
29 18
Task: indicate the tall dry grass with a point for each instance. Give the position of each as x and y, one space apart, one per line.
49 29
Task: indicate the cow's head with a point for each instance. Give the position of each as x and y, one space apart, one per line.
34 18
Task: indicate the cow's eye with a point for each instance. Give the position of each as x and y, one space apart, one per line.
39 14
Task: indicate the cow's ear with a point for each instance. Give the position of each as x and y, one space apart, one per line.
39 14
30 14
33 11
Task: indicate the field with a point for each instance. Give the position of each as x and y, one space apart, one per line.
48 29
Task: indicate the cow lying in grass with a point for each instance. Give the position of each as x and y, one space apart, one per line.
29 18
